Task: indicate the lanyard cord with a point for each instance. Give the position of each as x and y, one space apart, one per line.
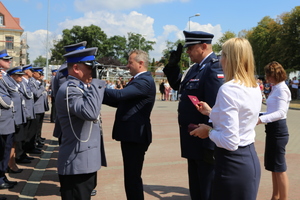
71 120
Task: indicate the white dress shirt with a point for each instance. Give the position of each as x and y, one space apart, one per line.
235 115
277 103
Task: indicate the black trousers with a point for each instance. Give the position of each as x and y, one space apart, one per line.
201 174
53 110
7 140
133 160
77 187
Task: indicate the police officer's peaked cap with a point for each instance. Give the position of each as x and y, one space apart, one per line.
15 70
38 69
29 66
73 47
197 37
83 55
54 69
4 55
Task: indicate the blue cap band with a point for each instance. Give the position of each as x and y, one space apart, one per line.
25 68
80 59
3 55
14 71
68 49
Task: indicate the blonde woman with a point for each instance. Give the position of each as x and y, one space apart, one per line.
234 117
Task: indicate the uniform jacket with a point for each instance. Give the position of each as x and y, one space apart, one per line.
7 123
37 90
28 98
79 155
134 104
18 109
201 81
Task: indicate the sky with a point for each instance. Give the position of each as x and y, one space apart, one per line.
156 20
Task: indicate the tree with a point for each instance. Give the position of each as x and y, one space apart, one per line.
226 36
137 41
39 62
94 36
184 61
290 39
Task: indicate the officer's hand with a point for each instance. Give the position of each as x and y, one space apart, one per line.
175 55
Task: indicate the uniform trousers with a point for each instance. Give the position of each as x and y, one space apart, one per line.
21 146
30 129
8 141
237 174
201 175
78 186
53 110
133 159
39 119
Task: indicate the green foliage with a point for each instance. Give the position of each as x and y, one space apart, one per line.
39 62
113 50
226 36
184 61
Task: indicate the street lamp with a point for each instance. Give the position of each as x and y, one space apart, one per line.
196 15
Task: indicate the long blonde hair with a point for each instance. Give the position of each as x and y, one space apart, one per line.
239 62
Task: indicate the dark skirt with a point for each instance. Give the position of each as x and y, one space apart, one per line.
277 137
237 174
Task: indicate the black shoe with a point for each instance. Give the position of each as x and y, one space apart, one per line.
39 145
23 161
6 186
9 170
94 192
40 141
42 138
2 198
10 182
35 151
29 158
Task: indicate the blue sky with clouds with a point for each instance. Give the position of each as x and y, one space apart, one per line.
158 20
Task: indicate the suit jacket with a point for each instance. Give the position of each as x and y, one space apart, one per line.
78 110
134 105
201 81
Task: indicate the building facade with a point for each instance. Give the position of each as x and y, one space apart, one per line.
10 37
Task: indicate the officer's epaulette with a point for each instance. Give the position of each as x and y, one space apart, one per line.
214 60
71 84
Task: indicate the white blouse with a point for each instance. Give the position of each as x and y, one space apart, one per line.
277 103
235 115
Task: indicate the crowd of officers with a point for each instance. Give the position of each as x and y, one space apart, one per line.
23 103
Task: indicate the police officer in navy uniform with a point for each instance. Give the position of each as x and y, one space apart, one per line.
61 77
38 91
78 102
53 110
15 77
7 126
22 147
202 80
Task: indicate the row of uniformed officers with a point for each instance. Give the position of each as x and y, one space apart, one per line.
23 102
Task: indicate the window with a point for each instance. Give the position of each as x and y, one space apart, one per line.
9 42
1 20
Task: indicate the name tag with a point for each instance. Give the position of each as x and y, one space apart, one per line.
194 80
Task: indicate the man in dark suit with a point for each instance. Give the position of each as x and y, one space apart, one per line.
132 125
202 80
